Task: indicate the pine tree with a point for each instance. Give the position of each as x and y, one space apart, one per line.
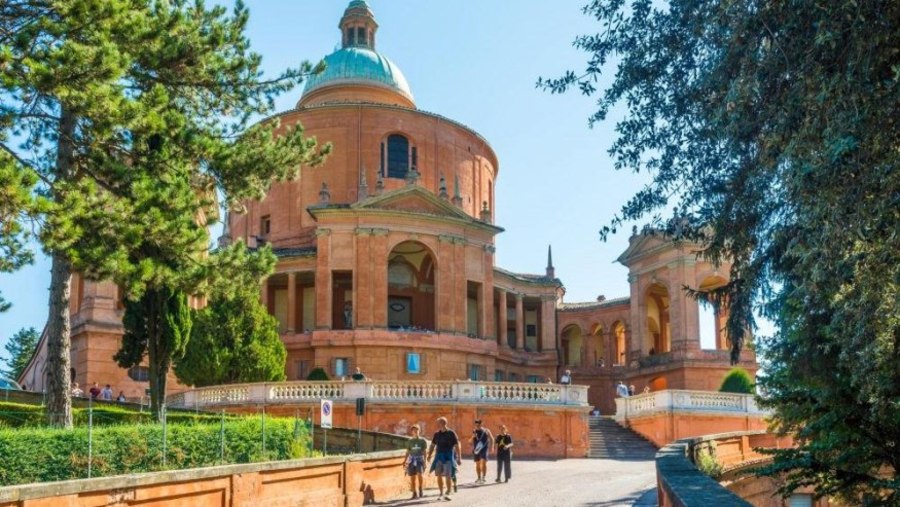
134 114
19 350
234 339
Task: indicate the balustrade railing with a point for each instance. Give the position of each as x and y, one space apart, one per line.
687 401
381 391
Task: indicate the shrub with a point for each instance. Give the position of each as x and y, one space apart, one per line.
737 381
51 454
705 459
317 373
19 415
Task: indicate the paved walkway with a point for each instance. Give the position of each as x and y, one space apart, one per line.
562 483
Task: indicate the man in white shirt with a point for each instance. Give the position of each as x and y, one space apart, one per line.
566 378
621 390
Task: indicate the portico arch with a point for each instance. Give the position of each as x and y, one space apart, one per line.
572 344
619 346
411 287
658 337
596 348
712 317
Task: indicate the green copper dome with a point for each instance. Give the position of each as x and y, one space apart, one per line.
359 65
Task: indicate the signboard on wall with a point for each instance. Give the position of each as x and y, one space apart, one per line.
327 408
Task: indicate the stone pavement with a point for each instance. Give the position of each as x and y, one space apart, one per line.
561 483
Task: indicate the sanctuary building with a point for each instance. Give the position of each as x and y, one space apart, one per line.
386 262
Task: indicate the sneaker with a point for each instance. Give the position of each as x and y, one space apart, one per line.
414 496
455 490
421 495
447 498
498 479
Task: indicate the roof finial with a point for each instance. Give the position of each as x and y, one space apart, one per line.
412 175
551 271
457 199
379 185
324 194
442 189
363 185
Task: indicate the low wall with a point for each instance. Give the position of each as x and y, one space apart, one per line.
545 432
546 420
666 416
681 484
329 482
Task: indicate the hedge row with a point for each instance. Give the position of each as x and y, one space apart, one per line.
18 415
48 454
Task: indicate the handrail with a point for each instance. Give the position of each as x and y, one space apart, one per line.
424 391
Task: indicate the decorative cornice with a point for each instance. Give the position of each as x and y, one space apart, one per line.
321 231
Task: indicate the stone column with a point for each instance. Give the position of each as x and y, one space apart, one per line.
548 323
520 322
362 306
501 319
445 290
634 333
292 302
323 279
379 252
486 308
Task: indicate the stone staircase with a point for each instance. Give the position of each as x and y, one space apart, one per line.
611 441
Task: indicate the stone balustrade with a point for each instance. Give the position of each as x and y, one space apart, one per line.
285 393
672 400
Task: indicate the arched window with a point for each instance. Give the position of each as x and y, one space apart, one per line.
397 156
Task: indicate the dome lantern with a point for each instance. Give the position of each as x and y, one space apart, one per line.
358 26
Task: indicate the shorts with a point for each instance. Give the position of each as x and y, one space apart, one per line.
481 456
443 465
415 465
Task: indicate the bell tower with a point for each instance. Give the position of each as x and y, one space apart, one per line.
358 26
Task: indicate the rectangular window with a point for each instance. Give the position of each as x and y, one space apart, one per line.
302 369
534 379
513 377
498 376
413 362
341 366
382 160
361 36
531 330
415 157
265 225
476 372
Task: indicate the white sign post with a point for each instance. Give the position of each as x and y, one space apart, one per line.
325 414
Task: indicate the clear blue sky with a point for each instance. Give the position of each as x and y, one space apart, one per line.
474 62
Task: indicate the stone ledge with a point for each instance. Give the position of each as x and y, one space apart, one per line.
684 485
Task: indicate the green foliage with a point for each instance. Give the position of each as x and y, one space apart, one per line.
772 127
737 380
317 373
19 415
47 454
20 347
18 205
705 459
234 339
158 325
132 116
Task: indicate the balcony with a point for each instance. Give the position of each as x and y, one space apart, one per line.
438 392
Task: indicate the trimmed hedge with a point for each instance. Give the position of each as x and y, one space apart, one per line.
737 380
49 454
19 415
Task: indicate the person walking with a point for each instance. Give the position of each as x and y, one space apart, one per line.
504 443
482 443
445 442
106 393
621 390
95 391
415 460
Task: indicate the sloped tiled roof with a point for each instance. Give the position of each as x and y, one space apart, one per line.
593 305
308 251
529 277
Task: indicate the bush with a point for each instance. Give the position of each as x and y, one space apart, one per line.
20 415
317 374
706 462
737 381
50 454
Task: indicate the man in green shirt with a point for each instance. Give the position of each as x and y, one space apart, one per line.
415 460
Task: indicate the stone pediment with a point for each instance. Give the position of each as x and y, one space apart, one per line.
412 199
641 244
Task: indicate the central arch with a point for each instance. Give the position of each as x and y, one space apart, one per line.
410 287
572 345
